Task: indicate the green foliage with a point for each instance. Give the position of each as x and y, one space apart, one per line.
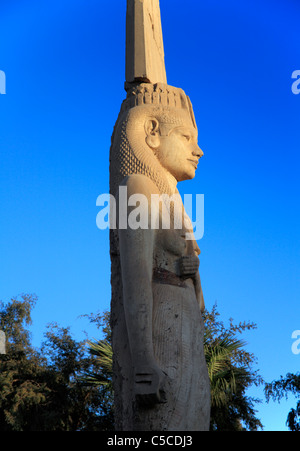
41 390
281 388
102 351
22 386
230 368
293 419
14 318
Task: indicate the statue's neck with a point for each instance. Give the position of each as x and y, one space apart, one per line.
172 182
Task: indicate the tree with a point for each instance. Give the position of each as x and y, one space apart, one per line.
22 386
231 374
101 351
72 405
279 389
41 390
293 419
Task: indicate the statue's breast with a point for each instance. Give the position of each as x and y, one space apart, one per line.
170 245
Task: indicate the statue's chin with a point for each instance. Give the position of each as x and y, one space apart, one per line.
186 176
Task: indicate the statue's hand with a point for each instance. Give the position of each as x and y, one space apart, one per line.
189 265
149 385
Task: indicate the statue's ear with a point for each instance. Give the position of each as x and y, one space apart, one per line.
152 133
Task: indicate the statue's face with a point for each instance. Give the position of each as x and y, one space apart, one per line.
178 151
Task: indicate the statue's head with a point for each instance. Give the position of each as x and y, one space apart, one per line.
155 134
175 147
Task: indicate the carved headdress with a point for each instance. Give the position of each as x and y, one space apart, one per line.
148 95
129 152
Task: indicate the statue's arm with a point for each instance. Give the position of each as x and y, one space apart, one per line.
199 292
136 253
189 267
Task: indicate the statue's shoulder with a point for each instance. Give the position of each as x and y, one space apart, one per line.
139 184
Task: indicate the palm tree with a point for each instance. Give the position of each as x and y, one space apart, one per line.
276 390
223 376
102 351
231 409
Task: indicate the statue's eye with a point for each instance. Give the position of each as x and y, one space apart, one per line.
187 137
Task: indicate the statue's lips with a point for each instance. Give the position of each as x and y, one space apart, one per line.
194 162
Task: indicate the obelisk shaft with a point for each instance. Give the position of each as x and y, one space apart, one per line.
144 43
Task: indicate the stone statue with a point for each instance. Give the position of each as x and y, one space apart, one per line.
2 342
160 376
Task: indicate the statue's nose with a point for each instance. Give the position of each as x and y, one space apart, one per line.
198 152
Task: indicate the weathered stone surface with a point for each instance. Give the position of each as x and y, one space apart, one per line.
160 375
2 342
144 42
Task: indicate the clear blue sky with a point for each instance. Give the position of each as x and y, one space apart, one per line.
64 63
